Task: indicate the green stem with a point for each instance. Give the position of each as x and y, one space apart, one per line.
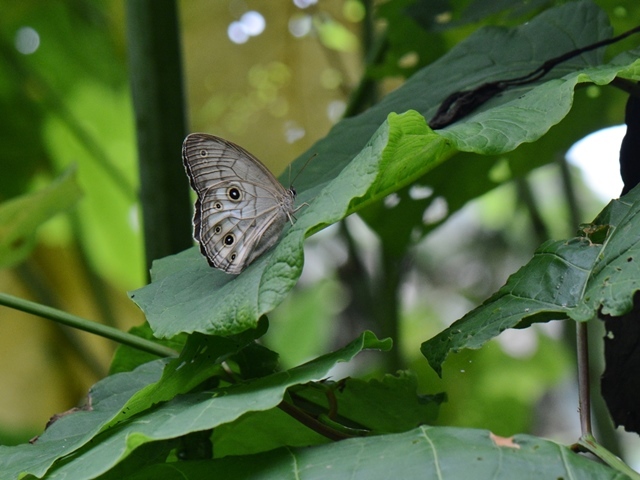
365 92
97 286
155 69
569 191
589 444
387 305
599 412
584 392
80 323
528 199
66 339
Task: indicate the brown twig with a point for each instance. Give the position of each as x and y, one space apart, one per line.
311 422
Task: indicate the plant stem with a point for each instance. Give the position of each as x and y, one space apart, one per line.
65 339
525 195
584 402
569 191
80 323
588 443
365 93
311 422
387 305
599 411
156 85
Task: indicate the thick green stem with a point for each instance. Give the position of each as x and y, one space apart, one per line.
387 305
156 85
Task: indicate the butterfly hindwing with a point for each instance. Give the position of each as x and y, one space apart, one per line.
241 208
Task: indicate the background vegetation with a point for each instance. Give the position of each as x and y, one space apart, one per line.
65 86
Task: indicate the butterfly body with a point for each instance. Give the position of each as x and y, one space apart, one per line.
241 208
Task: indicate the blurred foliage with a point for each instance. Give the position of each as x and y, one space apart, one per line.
275 95
62 76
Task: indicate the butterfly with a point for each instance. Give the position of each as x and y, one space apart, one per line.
241 208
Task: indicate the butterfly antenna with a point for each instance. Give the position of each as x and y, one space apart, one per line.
301 170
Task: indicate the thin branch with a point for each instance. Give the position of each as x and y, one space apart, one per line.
526 196
569 192
363 93
311 422
584 400
66 339
86 325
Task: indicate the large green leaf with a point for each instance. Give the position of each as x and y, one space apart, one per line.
425 452
119 397
197 298
555 106
575 279
71 432
257 432
94 453
388 405
615 276
355 169
199 360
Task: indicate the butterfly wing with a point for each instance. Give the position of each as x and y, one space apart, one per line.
241 208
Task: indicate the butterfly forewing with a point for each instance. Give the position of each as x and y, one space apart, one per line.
241 207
